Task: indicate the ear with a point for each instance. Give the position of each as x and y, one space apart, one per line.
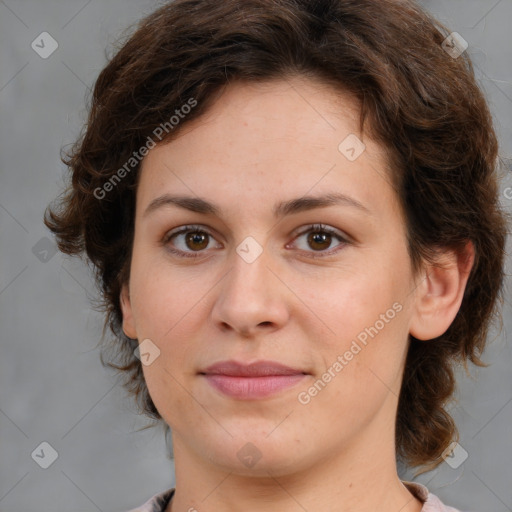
440 293
126 308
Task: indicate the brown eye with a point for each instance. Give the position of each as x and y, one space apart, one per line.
319 240
196 240
189 241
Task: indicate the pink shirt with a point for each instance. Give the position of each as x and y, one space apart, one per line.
431 503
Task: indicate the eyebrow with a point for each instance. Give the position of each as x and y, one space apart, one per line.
300 204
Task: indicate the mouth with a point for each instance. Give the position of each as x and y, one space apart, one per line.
251 381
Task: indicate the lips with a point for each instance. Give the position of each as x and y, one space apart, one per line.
257 369
251 381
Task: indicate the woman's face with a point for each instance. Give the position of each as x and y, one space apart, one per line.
256 281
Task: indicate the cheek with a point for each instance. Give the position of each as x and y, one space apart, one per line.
163 306
163 296
346 303
170 398
362 319
359 378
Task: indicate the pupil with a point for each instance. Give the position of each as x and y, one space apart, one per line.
319 238
196 237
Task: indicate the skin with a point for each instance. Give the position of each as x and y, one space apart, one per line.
260 144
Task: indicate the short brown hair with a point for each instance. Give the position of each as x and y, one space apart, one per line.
419 102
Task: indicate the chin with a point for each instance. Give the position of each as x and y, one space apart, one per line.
248 454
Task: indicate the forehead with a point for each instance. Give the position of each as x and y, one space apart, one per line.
286 110
282 138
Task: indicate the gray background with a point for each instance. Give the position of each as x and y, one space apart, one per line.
52 385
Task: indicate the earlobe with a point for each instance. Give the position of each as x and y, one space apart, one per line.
126 308
439 296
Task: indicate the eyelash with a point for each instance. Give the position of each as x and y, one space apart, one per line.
316 228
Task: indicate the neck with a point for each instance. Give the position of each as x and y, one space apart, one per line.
359 478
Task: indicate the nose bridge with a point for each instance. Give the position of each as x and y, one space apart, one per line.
251 254
249 296
250 274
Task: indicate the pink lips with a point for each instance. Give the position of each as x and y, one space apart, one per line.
253 381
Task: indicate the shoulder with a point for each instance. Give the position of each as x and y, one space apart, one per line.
431 503
157 503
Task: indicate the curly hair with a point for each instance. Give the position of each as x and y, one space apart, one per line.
416 99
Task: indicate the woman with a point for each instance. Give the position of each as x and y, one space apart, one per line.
292 209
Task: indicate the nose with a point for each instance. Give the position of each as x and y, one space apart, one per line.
251 297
